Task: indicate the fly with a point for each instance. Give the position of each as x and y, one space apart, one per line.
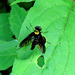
35 38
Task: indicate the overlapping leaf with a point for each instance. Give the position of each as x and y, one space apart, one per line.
18 1
5 32
17 17
7 53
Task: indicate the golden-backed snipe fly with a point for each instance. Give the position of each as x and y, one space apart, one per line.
36 38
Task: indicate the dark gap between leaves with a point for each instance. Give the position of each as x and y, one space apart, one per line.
13 37
7 71
5 4
26 5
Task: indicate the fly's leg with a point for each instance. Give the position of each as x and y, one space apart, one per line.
33 45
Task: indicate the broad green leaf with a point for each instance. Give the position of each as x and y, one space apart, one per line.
56 17
18 1
7 54
24 65
17 16
1 42
5 32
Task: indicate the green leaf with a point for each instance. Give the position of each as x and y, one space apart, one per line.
5 32
17 16
18 1
58 18
40 61
27 66
1 41
11 1
2 8
7 54
69 34
0 74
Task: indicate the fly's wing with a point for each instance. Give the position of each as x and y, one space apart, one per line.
41 44
27 40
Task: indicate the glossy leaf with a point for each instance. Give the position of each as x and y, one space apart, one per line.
58 18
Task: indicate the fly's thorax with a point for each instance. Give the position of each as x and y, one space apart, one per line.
36 32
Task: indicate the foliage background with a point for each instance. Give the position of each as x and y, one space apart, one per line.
56 17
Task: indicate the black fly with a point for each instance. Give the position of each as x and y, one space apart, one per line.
36 38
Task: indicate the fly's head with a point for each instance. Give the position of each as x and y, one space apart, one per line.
37 30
